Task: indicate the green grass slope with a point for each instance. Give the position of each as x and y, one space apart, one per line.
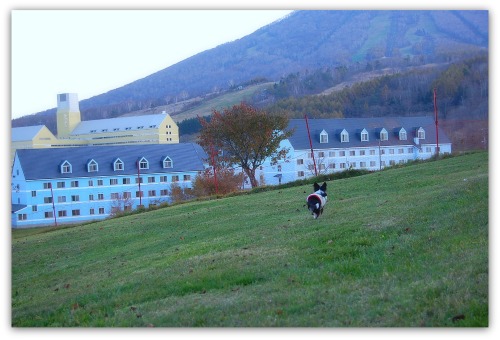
405 247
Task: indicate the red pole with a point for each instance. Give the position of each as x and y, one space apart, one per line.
212 156
139 181
436 121
53 205
310 143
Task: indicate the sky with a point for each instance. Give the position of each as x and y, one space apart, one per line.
90 52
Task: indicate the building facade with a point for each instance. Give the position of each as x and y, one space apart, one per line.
72 185
354 143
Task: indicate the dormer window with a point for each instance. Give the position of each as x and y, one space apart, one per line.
167 163
402 134
66 168
323 137
118 165
143 164
364 135
421 133
344 136
92 166
383 134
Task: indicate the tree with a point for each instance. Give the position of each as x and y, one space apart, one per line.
244 136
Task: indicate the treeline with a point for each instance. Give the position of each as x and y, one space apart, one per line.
462 90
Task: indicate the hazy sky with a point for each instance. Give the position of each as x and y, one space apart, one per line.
90 52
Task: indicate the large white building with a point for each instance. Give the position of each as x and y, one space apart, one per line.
354 143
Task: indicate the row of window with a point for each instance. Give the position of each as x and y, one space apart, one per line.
115 181
383 135
118 165
372 152
130 128
100 196
353 165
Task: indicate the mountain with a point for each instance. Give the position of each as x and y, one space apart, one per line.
304 40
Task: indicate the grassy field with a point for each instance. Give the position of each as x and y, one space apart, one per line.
223 101
404 247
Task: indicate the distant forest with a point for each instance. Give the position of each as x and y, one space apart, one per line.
462 90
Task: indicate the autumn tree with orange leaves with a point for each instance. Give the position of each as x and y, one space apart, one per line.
244 136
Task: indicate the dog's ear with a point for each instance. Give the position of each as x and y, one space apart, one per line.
316 186
323 186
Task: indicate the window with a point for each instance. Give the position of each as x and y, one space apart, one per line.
46 185
49 214
402 134
138 180
139 194
323 137
126 181
92 211
372 163
22 217
152 193
384 135
66 167
421 133
331 166
187 177
127 194
75 198
34 208
115 195
91 183
75 212
74 184
362 152
352 153
364 135
100 197
61 185
372 152
164 192
300 174
143 164
151 179
92 166
62 213
101 211
163 179
279 168
113 181
344 136
300 161
342 165
33 193
321 154
61 199
167 163
47 199
118 165
91 197
362 164
175 178
331 154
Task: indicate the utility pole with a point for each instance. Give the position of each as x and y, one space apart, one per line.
436 121
310 143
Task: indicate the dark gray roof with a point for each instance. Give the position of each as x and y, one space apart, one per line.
354 126
45 163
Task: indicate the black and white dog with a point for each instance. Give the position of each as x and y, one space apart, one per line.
317 200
